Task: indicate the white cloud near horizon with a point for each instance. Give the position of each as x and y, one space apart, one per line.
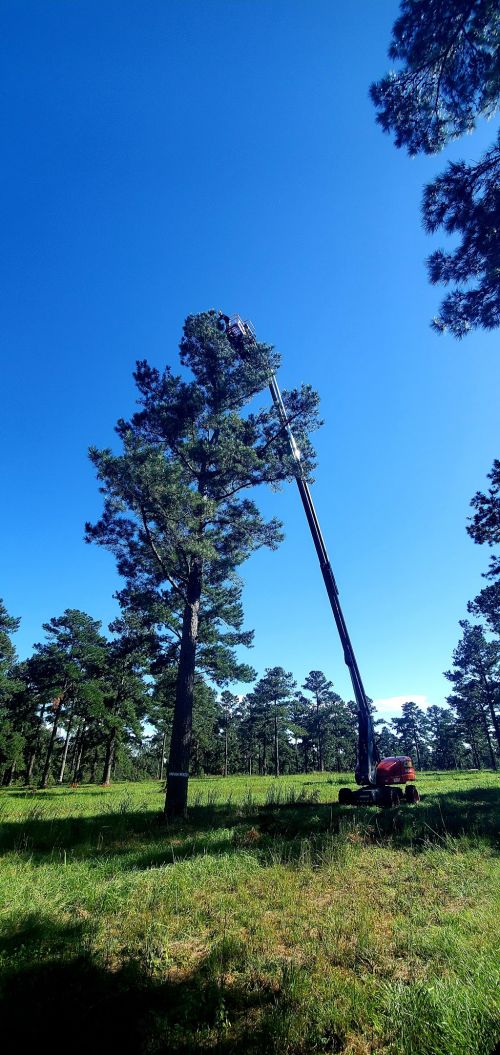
390 706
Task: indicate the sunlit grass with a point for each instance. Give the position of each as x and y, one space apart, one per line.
271 921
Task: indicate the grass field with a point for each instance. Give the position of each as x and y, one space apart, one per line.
273 920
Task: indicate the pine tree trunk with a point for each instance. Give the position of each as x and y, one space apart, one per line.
320 740
31 765
8 776
195 757
417 746
276 748
225 751
488 737
475 753
109 759
65 753
180 744
77 772
45 774
34 750
162 759
76 744
93 767
491 708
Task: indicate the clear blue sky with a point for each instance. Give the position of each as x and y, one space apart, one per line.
161 158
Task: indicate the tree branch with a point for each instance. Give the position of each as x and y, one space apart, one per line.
156 553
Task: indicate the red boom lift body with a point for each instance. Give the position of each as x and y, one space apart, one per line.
380 780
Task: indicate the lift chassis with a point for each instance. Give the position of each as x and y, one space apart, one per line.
380 779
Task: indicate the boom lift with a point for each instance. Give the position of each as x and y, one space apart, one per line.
380 779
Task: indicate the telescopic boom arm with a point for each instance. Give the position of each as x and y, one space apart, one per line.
368 754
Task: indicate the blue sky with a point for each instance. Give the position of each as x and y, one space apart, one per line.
161 158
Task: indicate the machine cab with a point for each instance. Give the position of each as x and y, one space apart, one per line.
396 770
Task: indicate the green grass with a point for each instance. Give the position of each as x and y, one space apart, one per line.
273 920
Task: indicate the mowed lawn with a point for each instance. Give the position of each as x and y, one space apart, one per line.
273 920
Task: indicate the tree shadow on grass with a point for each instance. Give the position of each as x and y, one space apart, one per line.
140 839
47 998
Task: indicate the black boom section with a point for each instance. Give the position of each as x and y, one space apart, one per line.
239 332
368 754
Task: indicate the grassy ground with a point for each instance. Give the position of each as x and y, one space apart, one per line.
273 920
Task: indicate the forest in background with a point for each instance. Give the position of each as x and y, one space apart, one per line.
86 707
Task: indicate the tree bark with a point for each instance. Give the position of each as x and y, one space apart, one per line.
8 776
45 774
77 772
31 765
180 744
225 750
34 750
162 759
276 748
475 753
93 766
417 746
65 752
109 759
76 743
491 708
488 737
320 739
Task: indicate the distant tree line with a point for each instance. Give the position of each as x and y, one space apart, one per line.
87 708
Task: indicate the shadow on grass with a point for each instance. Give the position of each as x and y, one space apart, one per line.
48 995
143 840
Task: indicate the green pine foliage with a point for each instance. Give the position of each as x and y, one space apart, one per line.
448 76
476 688
485 530
12 739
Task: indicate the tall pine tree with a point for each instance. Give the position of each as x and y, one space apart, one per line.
177 508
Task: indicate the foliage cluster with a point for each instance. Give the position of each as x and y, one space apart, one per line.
447 77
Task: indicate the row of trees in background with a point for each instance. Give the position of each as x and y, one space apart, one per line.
85 707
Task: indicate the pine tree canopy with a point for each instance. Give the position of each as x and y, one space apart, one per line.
485 526
485 529
179 494
448 77
8 625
